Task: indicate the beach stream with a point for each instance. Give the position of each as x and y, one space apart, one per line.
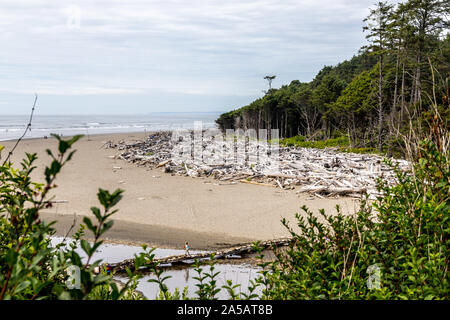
180 278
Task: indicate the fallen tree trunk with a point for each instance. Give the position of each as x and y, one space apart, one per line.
332 190
257 183
184 259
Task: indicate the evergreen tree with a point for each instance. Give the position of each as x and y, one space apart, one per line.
377 24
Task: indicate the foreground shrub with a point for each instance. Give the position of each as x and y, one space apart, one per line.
397 250
30 267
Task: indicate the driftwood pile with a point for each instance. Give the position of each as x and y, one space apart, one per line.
322 172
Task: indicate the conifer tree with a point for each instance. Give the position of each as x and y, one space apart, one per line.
377 24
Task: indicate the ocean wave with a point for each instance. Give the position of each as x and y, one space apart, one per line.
12 127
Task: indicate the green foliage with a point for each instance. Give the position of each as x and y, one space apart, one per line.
356 105
145 260
206 281
104 292
369 150
173 296
300 141
357 98
405 239
30 268
342 143
377 24
327 91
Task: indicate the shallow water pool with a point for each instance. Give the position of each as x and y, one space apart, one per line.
237 273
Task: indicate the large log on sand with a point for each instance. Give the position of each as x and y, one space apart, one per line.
184 259
332 190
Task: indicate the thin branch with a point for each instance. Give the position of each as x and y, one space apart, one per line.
24 133
71 227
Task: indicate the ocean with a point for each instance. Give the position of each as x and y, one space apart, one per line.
13 126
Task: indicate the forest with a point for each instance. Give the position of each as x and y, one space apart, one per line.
376 98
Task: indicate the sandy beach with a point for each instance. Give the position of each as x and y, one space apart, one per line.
165 210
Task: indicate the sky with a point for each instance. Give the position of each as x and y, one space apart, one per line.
136 57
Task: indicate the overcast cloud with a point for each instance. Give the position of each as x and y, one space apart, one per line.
146 56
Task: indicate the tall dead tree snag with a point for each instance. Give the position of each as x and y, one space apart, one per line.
269 79
268 110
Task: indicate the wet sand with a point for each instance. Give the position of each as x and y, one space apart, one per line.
165 210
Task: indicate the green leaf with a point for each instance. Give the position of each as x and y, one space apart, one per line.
22 286
89 224
86 246
107 226
63 146
96 212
